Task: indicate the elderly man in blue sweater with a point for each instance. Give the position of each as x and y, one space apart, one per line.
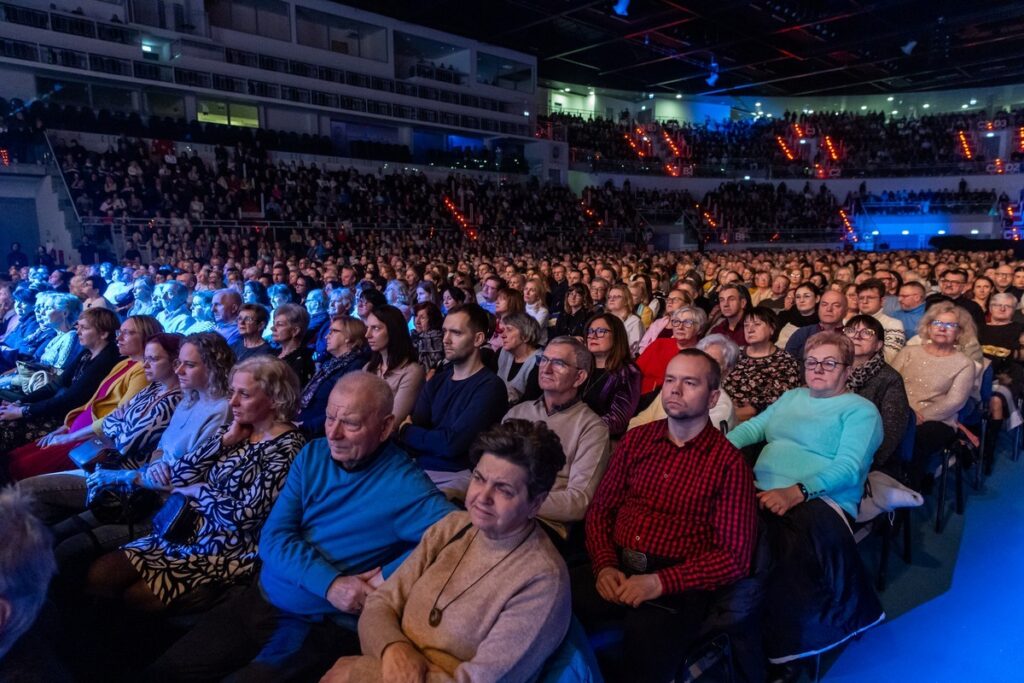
352 508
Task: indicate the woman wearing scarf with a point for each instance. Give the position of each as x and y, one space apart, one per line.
874 379
346 351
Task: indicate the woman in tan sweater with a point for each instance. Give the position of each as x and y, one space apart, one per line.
485 595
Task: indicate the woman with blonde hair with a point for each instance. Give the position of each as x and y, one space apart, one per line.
939 378
619 302
228 484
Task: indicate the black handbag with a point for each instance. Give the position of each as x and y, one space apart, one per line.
121 504
89 454
176 521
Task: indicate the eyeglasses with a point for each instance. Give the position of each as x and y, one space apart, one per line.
1000 305
675 298
556 363
828 365
246 320
859 333
947 281
686 322
941 325
599 332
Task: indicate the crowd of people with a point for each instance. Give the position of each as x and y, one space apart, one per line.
866 143
388 457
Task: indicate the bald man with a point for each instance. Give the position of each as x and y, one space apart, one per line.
353 507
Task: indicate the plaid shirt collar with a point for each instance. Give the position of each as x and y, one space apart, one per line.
702 440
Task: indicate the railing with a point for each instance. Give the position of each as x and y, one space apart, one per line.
929 206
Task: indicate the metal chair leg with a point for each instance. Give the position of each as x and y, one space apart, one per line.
958 470
940 502
903 515
980 460
883 562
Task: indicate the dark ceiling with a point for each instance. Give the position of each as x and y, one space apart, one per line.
761 47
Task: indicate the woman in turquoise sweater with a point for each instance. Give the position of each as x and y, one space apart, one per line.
820 443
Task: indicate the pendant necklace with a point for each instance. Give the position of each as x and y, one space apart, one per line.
437 613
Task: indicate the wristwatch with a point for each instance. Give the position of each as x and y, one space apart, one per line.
803 491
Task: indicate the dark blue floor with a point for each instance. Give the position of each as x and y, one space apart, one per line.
974 631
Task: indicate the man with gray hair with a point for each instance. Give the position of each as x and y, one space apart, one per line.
226 305
26 567
565 366
353 507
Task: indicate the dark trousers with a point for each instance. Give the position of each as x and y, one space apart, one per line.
929 439
657 636
248 639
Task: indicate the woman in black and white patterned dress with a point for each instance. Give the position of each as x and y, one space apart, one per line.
231 481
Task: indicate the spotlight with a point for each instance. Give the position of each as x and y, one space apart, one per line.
679 95
621 8
712 73
908 47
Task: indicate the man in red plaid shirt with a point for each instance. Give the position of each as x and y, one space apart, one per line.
673 521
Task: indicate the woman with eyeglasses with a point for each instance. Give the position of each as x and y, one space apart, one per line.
686 325
811 472
764 372
875 380
661 328
576 311
291 322
613 388
252 320
1000 337
939 378
347 352
46 451
619 302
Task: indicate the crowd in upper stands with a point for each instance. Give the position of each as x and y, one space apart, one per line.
865 143
401 454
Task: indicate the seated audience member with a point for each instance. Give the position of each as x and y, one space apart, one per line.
726 352
369 299
230 482
47 452
1001 337
910 308
173 316
832 310
132 431
517 360
30 335
61 312
576 311
352 509
487 297
201 313
451 297
508 302
142 297
90 291
203 365
775 298
820 442
619 303
319 318
226 305
393 357
534 295
661 327
346 352
510 606
733 302
427 338
764 371
686 324
290 323
612 389
458 403
939 380
872 378
869 302
251 321
26 567
8 317
565 368
641 299
667 475
953 285
803 313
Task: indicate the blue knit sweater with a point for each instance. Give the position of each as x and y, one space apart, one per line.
329 522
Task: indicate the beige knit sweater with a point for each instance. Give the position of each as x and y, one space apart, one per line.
501 629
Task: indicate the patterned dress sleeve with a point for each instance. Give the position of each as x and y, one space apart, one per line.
193 467
242 503
146 425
